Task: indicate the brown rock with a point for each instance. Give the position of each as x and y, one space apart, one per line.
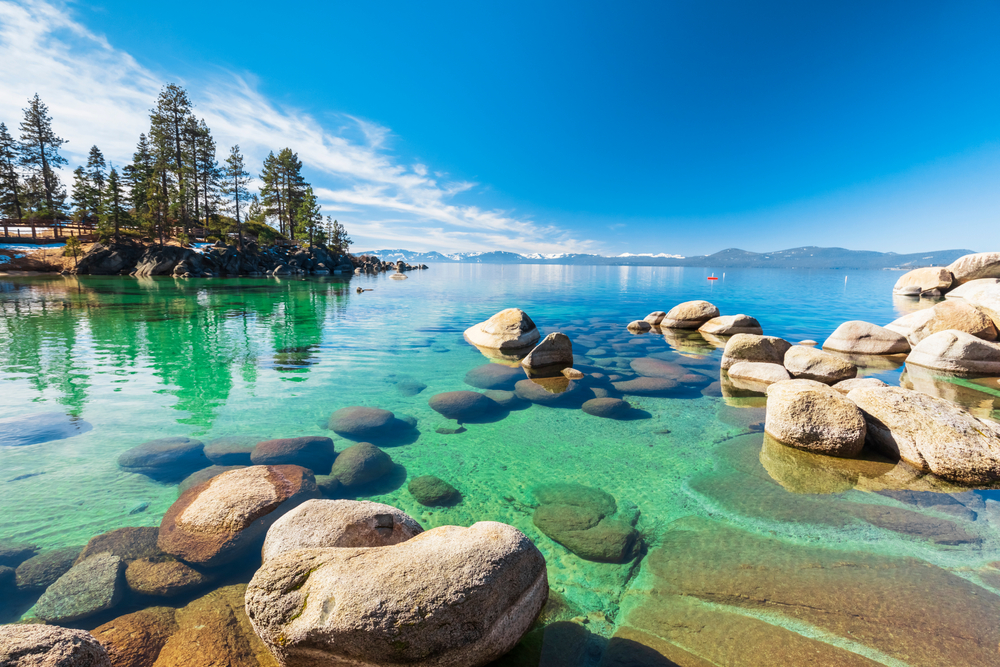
164 577
955 315
857 337
639 326
313 452
645 386
689 315
813 416
755 375
203 475
218 520
360 464
930 434
552 355
129 544
508 330
135 640
845 386
654 318
929 278
750 347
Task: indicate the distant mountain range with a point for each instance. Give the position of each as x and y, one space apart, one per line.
810 257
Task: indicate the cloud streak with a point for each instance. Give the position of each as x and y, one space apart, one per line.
98 94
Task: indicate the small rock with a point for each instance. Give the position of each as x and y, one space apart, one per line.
857 337
432 491
812 416
639 326
608 408
655 317
956 352
730 325
313 452
329 485
90 587
809 363
750 347
36 645
465 406
41 571
689 315
338 523
360 464
410 387
450 430
231 450
553 392
572 374
508 330
165 457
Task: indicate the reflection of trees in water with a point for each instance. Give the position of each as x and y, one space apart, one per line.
195 336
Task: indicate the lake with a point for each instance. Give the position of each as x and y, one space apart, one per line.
743 542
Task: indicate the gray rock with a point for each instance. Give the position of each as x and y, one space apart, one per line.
808 363
730 325
41 571
975 267
608 408
34 429
90 587
858 337
554 353
432 491
314 452
751 347
813 416
359 422
494 376
465 406
165 457
449 597
360 464
508 330
338 523
231 450
956 352
37 645
689 315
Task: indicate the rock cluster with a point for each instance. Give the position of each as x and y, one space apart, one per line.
372 264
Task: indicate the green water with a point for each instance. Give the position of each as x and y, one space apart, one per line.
268 358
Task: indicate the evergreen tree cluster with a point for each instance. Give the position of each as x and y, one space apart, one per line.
173 185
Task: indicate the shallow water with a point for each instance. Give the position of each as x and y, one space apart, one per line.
141 359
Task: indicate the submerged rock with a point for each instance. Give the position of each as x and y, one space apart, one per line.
813 416
360 464
586 521
313 452
730 325
956 352
203 475
338 523
41 427
135 640
315 606
689 315
164 577
552 355
231 450
41 571
129 544
657 368
975 267
750 347
432 491
494 376
507 400
89 587
37 645
219 520
645 386
359 422
508 330
857 337
12 555
465 406
559 392
930 434
808 363
608 408
165 457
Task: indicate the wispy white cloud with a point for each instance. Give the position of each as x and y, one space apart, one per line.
101 95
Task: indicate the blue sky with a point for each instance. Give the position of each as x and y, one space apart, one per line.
679 127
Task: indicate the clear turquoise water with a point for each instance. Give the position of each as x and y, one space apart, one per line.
143 359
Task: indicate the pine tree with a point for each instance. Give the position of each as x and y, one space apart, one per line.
271 194
283 189
237 182
307 216
338 237
114 213
138 174
10 179
40 151
95 174
168 122
207 169
81 195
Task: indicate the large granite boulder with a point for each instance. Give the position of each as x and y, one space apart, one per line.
314 452
465 406
90 587
360 464
136 639
987 300
730 325
165 458
431 491
41 571
956 352
756 375
926 279
203 475
930 433
815 417
161 260
38 645
494 376
953 315
110 259
751 347
338 523
219 520
858 337
808 363
551 356
587 521
164 577
974 267
689 315
450 596
509 330
964 289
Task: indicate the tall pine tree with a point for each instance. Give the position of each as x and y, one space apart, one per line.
40 152
283 188
236 186
95 174
168 120
137 176
114 213
10 179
